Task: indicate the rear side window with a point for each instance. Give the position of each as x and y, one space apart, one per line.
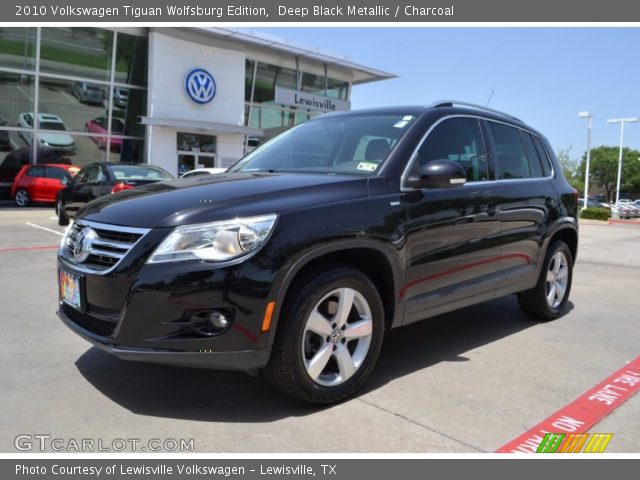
460 140
59 173
36 171
542 154
512 158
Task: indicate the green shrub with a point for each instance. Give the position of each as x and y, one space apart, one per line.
593 213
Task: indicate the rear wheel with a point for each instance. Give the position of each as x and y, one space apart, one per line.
62 217
22 198
549 297
329 336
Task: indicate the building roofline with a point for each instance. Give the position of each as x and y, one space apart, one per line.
250 37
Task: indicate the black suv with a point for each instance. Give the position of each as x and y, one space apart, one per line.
297 260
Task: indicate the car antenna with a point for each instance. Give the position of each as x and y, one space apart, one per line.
490 97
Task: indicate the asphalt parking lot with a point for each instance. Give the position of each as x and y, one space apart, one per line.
468 381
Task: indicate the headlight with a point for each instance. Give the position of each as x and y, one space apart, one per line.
216 241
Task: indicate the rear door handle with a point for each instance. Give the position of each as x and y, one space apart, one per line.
550 202
491 208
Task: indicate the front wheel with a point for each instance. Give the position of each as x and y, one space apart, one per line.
329 336
62 217
549 297
22 198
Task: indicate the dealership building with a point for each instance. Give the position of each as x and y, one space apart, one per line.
180 98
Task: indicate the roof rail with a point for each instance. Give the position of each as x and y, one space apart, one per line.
451 103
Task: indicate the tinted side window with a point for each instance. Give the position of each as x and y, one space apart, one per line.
460 140
36 172
544 158
512 158
90 175
532 154
59 173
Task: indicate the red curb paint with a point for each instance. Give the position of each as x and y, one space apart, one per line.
28 249
625 222
584 412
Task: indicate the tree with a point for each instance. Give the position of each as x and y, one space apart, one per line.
570 168
603 170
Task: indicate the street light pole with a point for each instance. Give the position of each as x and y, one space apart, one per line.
621 121
587 115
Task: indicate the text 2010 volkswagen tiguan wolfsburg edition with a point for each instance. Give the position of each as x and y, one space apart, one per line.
297 260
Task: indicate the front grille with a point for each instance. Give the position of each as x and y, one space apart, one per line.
97 326
106 314
109 244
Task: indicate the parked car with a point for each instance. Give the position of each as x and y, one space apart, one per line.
202 171
590 203
61 142
298 259
87 93
120 97
634 210
41 183
99 125
5 141
99 179
15 160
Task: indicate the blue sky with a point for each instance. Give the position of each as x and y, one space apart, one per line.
544 76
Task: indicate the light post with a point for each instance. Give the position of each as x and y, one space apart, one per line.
621 121
587 115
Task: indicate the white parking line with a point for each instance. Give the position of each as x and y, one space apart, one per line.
68 97
44 228
25 94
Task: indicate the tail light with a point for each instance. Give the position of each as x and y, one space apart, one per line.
119 187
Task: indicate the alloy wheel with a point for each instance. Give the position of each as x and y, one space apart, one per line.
557 279
337 336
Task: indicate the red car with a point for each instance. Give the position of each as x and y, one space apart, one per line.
99 125
41 183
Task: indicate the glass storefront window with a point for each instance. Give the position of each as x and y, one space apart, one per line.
271 120
128 105
337 88
248 79
80 150
76 103
270 76
313 83
18 48
196 142
130 151
16 96
131 59
80 52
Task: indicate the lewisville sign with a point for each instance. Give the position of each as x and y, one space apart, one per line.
296 98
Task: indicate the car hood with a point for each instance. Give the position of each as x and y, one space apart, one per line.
57 138
219 197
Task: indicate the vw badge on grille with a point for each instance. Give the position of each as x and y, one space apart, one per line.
83 243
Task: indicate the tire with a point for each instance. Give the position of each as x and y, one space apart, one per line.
62 217
312 359
22 198
548 299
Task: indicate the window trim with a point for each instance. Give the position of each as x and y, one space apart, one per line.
491 151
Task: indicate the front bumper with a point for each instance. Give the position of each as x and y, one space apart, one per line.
247 360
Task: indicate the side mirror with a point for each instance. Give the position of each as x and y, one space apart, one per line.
439 174
65 180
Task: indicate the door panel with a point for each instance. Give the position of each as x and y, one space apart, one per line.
452 248
526 199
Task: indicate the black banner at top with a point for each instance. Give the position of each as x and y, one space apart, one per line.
325 11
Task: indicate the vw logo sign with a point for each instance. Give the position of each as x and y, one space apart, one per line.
82 247
200 86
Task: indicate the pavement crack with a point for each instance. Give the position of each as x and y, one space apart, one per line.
433 430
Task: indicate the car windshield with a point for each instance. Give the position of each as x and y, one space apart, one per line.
52 126
138 172
342 144
117 126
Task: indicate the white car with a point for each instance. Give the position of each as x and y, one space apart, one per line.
60 142
202 171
